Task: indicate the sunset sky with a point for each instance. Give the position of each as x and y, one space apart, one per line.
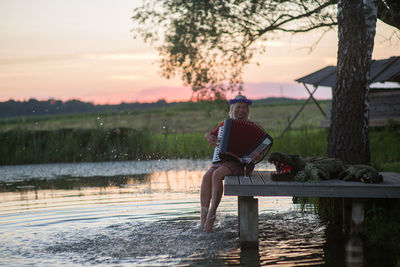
84 49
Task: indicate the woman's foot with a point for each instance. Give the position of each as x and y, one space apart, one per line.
208 225
203 216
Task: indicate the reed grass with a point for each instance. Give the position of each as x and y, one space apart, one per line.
20 146
23 146
71 145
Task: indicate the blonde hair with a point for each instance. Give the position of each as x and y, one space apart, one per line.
233 108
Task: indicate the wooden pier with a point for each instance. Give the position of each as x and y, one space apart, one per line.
260 184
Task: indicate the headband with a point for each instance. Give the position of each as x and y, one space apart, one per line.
240 98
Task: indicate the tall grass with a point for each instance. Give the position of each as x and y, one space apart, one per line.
306 142
385 147
23 146
71 145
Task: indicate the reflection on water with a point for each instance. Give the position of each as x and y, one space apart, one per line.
284 232
355 252
286 239
170 181
145 219
13 173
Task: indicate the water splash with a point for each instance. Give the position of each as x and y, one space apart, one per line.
165 242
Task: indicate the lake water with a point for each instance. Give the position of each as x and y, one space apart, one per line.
143 214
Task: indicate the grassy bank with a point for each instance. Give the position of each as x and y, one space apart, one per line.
183 118
173 132
89 145
23 146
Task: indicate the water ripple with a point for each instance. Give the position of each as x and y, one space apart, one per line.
13 173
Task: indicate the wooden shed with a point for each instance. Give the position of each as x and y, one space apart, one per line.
384 101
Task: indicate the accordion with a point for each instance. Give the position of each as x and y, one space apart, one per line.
241 141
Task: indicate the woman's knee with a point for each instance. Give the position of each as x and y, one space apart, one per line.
220 173
208 175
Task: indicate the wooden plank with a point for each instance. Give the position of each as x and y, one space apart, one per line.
257 180
244 180
391 176
384 104
313 191
257 173
266 176
241 190
332 182
389 188
231 180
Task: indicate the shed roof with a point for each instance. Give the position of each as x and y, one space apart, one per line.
384 70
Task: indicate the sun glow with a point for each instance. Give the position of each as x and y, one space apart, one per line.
57 49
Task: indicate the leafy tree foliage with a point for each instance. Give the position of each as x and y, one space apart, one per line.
209 42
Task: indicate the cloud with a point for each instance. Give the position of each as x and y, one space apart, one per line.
108 55
123 56
37 59
169 93
125 77
251 90
292 90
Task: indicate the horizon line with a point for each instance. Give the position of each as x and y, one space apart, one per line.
147 102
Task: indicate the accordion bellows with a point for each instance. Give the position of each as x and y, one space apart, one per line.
239 140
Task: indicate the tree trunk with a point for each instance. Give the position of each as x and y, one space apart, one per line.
348 137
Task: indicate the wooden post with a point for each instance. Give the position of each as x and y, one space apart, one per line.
302 107
248 221
315 101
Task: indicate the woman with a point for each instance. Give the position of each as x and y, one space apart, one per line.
211 185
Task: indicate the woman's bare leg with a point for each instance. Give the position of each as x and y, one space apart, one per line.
216 195
205 194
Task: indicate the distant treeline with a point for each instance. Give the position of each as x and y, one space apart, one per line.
32 107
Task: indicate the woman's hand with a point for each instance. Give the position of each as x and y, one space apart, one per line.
211 139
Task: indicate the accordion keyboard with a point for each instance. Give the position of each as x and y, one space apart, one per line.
216 157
